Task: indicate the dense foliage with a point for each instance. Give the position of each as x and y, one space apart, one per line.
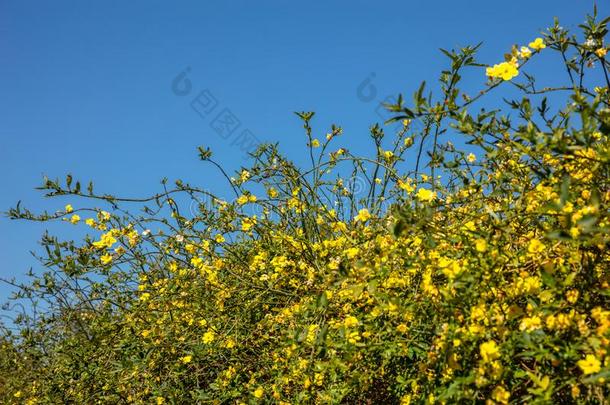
472 266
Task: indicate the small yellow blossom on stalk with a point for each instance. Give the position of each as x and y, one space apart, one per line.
470 226
538 44
248 223
259 392
481 245
489 351
145 297
186 359
208 337
601 52
406 185
243 199
105 259
388 155
352 252
572 296
425 195
471 158
535 246
504 71
351 321
589 365
402 328
500 395
315 143
272 192
363 215
90 222
74 219
525 52
530 324
408 141
219 238
68 208
106 241
160 400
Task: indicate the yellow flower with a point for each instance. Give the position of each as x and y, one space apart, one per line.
90 222
538 44
504 71
105 259
402 328
525 52
481 245
259 392
601 52
535 246
500 395
388 155
315 143
589 365
471 158
406 185
489 351
17 394
574 232
470 226
572 296
363 215
219 238
248 223
160 400
74 219
145 297
243 199
423 194
405 399
352 252
208 337
104 216
530 324
69 208
351 321
408 141
272 193
186 359
575 391
106 241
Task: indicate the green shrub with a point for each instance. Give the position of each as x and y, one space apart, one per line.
460 273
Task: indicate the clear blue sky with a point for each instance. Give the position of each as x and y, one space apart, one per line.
86 87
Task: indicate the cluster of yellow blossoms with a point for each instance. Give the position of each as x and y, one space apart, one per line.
510 69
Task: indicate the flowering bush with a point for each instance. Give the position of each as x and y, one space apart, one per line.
474 268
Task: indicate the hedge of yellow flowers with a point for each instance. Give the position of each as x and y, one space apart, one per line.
473 266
